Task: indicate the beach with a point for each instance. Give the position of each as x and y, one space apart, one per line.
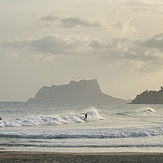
41 157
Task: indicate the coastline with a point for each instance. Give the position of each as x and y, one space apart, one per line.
115 157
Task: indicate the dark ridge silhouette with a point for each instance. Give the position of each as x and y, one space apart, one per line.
149 97
87 91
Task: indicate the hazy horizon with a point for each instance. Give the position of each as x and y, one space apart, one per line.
44 43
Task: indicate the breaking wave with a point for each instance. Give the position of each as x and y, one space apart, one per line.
43 120
84 133
147 111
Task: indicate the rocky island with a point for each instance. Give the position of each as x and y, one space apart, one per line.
149 97
84 91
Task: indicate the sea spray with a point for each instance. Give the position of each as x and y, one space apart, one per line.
43 120
149 110
143 111
125 127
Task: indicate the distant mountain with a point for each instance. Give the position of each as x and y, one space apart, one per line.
82 91
149 97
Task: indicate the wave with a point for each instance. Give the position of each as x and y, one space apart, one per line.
79 145
98 133
42 120
147 111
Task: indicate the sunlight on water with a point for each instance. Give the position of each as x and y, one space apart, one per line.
55 126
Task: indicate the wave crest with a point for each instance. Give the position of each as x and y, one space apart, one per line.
98 133
42 120
149 110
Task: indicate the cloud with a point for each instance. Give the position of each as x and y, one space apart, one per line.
41 57
140 55
72 22
49 18
123 28
52 44
121 24
128 49
120 28
77 21
142 5
154 42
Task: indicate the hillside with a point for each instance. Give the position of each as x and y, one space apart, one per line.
83 91
149 97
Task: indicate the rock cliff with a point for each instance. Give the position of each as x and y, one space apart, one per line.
149 97
82 91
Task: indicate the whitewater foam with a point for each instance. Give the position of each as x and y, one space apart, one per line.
85 133
144 111
61 127
148 110
43 120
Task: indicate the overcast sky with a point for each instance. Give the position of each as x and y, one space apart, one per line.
51 42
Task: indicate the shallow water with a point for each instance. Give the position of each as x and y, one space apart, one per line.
61 127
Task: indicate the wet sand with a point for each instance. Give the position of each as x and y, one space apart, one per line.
50 157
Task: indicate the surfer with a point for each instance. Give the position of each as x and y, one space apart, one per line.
0 118
85 118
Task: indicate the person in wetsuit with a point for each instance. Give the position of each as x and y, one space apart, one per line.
85 118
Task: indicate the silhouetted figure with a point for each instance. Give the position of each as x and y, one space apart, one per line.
85 118
0 118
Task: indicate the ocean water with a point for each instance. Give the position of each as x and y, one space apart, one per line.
61 127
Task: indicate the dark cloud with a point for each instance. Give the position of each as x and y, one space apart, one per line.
143 54
77 21
49 18
71 22
154 42
100 44
148 49
142 50
52 44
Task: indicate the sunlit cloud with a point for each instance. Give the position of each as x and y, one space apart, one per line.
123 28
142 5
144 55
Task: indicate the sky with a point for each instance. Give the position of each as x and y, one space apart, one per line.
47 42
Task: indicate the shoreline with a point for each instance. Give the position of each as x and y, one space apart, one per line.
69 157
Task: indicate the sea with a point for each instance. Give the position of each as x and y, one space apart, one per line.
55 127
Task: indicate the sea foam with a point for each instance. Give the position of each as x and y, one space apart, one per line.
42 120
98 133
144 111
